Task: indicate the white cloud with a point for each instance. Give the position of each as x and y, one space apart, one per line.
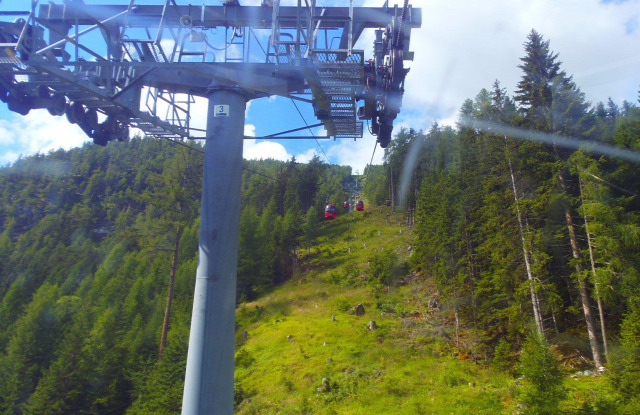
250 130
306 156
36 132
464 46
356 154
8 157
262 150
198 111
5 135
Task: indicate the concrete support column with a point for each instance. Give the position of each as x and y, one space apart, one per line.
208 386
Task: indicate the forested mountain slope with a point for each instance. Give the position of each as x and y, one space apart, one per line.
88 238
527 214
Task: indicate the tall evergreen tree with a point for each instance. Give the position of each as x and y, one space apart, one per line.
310 227
249 265
551 102
535 89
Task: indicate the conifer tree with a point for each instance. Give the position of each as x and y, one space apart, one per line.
542 379
267 234
178 201
535 89
311 224
551 102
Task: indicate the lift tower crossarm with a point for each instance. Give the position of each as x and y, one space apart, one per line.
256 17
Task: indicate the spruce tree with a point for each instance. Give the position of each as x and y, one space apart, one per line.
310 227
535 89
542 380
248 258
551 102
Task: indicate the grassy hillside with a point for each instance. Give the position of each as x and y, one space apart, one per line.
412 363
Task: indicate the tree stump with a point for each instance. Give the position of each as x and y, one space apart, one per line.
326 385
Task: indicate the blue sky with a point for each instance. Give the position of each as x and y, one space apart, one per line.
462 47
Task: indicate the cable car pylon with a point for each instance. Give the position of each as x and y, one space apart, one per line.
211 339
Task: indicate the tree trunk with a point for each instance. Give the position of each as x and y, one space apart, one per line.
555 322
471 269
582 286
535 301
596 284
584 295
457 329
393 198
172 279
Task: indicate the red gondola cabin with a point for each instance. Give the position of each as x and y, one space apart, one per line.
330 212
360 205
346 205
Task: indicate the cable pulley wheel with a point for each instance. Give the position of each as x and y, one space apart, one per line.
91 118
58 105
75 112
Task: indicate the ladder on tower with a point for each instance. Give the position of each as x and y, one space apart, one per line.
144 49
234 48
334 75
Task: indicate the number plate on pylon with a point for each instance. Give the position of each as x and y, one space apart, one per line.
221 111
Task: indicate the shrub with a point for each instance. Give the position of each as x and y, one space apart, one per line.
342 304
243 358
502 355
403 311
238 393
542 384
334 277
382 268
386 307
625 366
347 276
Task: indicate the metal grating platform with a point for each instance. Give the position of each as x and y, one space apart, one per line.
334 80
